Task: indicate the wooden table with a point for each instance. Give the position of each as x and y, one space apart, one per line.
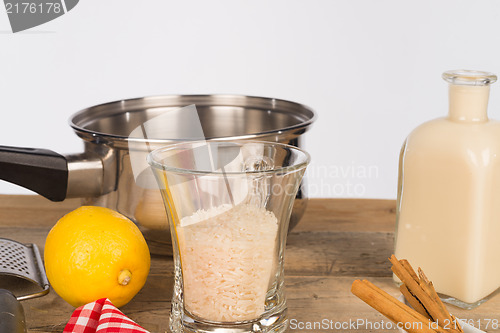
337 241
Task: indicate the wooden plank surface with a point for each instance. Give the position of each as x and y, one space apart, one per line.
337 241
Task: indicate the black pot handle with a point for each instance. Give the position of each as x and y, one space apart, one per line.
40 170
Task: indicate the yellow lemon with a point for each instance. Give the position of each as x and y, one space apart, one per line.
95 252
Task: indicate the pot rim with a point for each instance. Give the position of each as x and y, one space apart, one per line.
77 120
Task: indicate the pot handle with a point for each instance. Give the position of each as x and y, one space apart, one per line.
40 170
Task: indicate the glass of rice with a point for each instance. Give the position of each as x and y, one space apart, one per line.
228 204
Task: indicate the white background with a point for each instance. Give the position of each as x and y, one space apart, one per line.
371 70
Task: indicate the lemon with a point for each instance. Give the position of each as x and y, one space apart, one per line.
95 252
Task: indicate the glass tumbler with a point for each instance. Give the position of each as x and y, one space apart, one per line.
228 204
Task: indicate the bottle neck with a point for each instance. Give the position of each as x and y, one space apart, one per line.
468 103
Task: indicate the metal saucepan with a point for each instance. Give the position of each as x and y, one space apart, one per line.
103 174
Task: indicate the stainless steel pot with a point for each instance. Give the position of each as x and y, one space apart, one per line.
103 175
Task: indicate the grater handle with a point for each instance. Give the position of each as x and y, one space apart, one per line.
11 314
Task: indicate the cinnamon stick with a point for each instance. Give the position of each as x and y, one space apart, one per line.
392 308
414 302
416 290
409 269
429 288
421 289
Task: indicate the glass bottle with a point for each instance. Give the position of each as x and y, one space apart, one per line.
448 208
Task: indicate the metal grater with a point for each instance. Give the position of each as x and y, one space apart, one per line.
21 270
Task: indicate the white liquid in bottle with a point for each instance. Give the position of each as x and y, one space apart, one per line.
448 218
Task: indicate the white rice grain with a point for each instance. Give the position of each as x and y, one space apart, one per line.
227 261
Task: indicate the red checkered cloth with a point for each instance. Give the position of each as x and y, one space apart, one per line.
101 316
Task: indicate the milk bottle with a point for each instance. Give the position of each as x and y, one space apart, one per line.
448 209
